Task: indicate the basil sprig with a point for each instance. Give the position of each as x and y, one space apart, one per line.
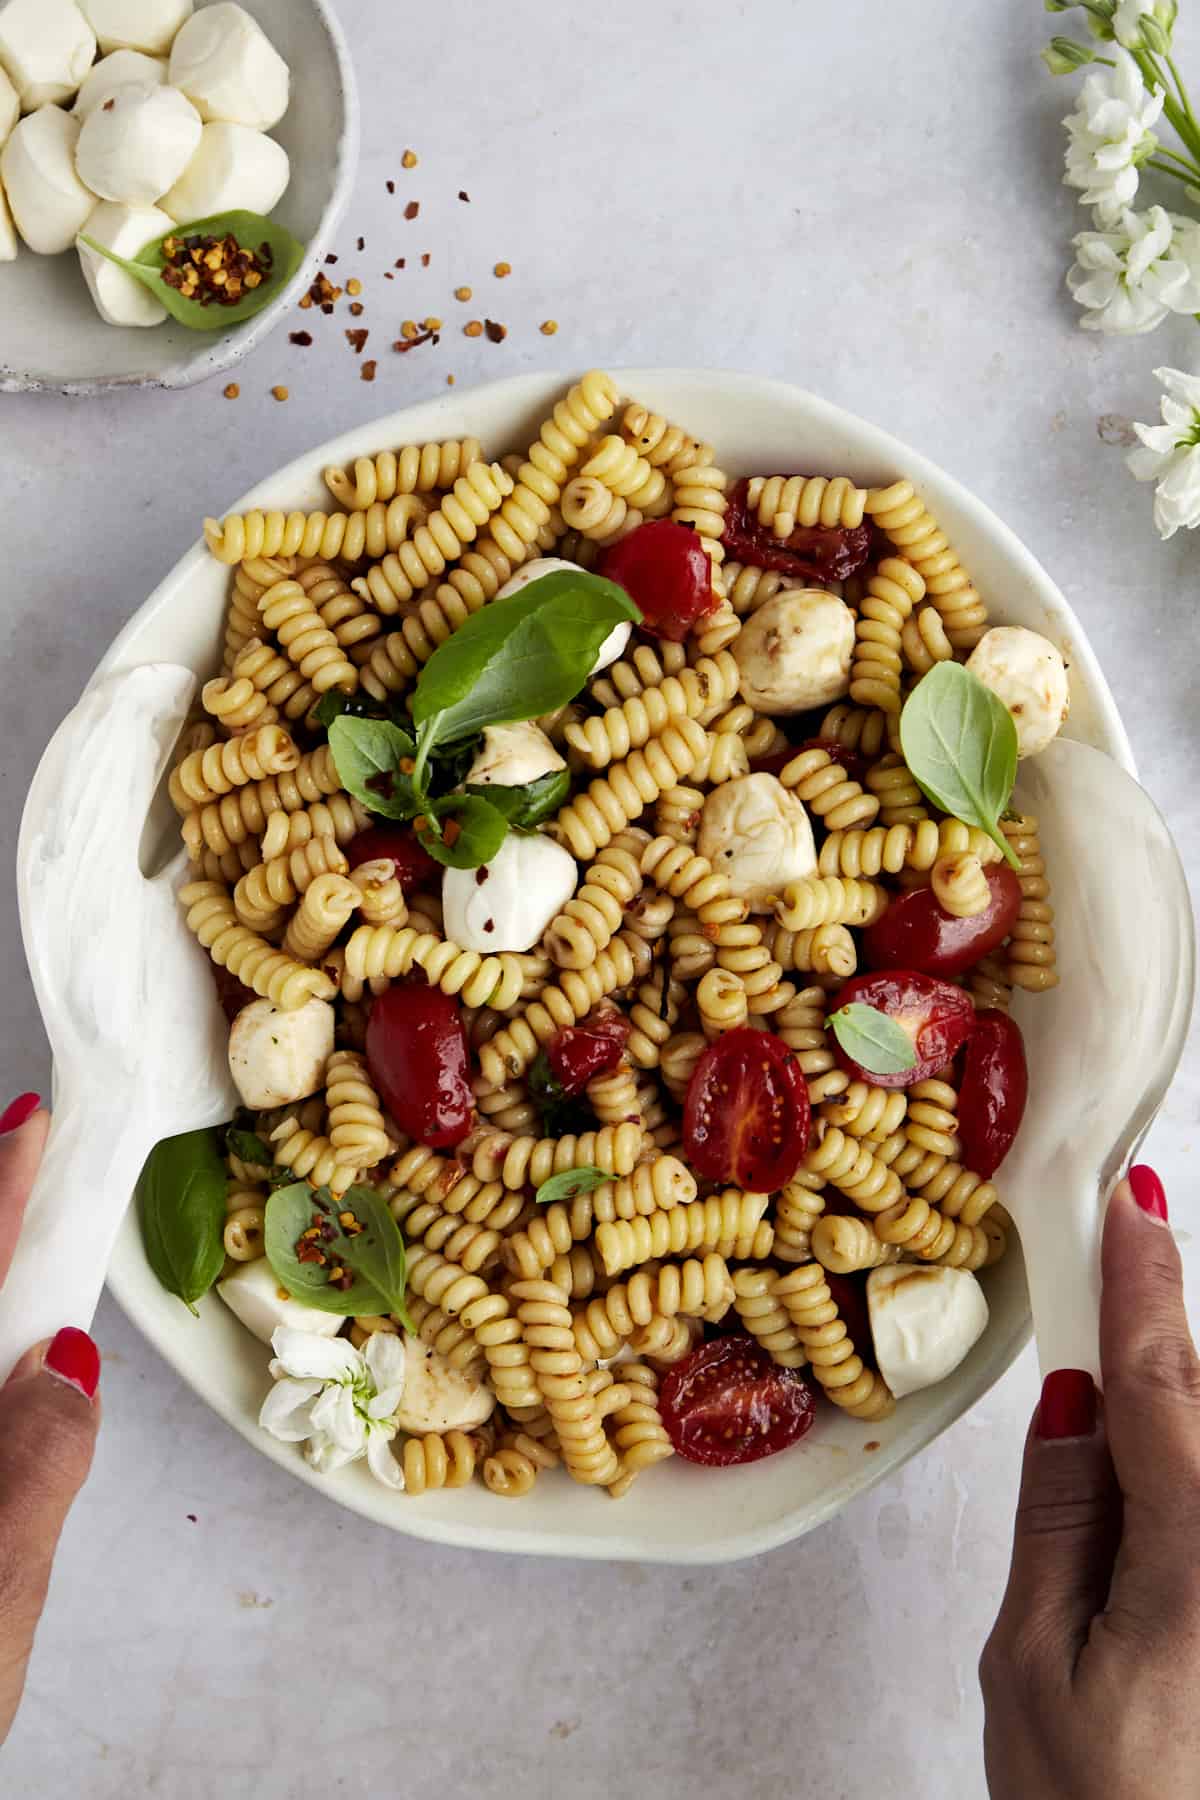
374 1255
960 744
525 807
248 1147
181 1205
571 1182
251 230
873 1039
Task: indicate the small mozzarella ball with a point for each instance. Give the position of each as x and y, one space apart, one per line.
120 300
227 65
612 647
47 47
148 25
8 232
756 831
795 652
37 167
252 1291
1027 672
513 756
437 1397
124 68
617 638
276 1057
236 169
508 903
10 107
923 1322
137 145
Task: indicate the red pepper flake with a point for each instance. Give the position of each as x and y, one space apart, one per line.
388 276
425 260
303 338
410 343
391 187
412 209
463 195
357 309
331 258
399 263
362 243
357 338
309 1253
497 333
451 831
368 371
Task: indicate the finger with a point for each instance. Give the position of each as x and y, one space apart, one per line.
23 1130
49 1416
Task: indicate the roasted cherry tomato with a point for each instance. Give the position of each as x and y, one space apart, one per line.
746 1115
666 570
417 1055
778 760
729 1403
993 1091
849 1294
822 552
399 845
916 931
937 1016
578 1052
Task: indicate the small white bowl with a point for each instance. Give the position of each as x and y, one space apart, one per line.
52 339
677 1513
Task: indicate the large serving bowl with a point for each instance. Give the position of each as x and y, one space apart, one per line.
53 340
678 1512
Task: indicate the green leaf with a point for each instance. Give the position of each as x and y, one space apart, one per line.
525 807
520 657
251 231
248 1148
571 1182
377 1253
481 831
181 1204
873 1039
375 1256
368 754
960 744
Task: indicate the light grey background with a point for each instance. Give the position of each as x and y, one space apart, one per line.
864 199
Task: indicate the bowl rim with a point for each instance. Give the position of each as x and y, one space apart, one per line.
229 348
519 393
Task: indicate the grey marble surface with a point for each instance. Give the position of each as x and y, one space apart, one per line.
863 199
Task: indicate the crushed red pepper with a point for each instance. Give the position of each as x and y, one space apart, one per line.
214 271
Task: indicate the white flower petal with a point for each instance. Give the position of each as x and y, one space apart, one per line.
326 1457
286 1411
385 1361
303 1353
1179 386
336 1415
381 1460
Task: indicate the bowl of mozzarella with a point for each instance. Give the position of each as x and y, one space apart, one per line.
121 120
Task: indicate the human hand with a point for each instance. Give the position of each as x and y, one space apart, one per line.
48 1421
1091 1673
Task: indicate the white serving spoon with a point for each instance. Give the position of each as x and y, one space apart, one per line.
1104 1044
128 1000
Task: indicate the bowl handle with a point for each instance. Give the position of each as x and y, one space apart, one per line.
1061 1244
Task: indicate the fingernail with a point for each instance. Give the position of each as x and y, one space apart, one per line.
1068 1405
18 1110
74 1358
1148 1191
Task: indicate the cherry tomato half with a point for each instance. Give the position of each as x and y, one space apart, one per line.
729 1403
666 571
578 1052
993 1091
937 1016
417 1054
916 931
397 844
746 1115
822 552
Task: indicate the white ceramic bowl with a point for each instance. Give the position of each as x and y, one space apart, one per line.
53 340
678 1512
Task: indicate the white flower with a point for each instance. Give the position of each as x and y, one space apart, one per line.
1109 134
1171 453
1130 278
1127 23
339 1402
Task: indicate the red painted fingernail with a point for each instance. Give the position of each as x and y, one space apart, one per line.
74 1358
1148 1191
18 1110
1068 1406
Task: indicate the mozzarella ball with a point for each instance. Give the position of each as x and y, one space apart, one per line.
514 756
437 1397
46 47
617 638
8 232
276 1057
124 68
120 300
10 107
137 145
795 651
236 169
508 903
1027 672
612 647
226 64
923 1322
148 25
756 831
37 167
252 1291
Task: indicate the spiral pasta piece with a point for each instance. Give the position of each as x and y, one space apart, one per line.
888 850
250 582
546 1326
731 1224
654 1186
638 1433
276 680
844 1245
644 668
747 587
785 501
809 1304
590 920
236 704
663 445
698 1287
340 817
472 501
447 1336
254 536
829 900
593 818
600 741
513 1467
392 951
521 1162
620 469
988 984
311 1157
852 1166
261 895
722 919
923 640
892 592
413 469
901 801
475 1246
825 788
799 1205
287 611
678 1059
381 897
326 905
801 1026
823 949
352 621
866 729
356 1128
1029 954
436 1461
595 512
900 512
273 974
652 1016
613 1096
698 499
552 457
714 631
960 885
721 1002
866 1111
918 1229
205 775
765 1318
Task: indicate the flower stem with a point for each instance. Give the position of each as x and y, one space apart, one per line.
1191 181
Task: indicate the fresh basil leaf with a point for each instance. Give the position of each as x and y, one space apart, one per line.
476 831
377 1253
571 1182
525 807
369 756
874 1040
181 1204
520 657
248 1148
290 1212
960 744
251 230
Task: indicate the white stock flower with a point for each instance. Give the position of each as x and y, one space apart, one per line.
339 1402
1130 278
1127 23
1108 134
1170 453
